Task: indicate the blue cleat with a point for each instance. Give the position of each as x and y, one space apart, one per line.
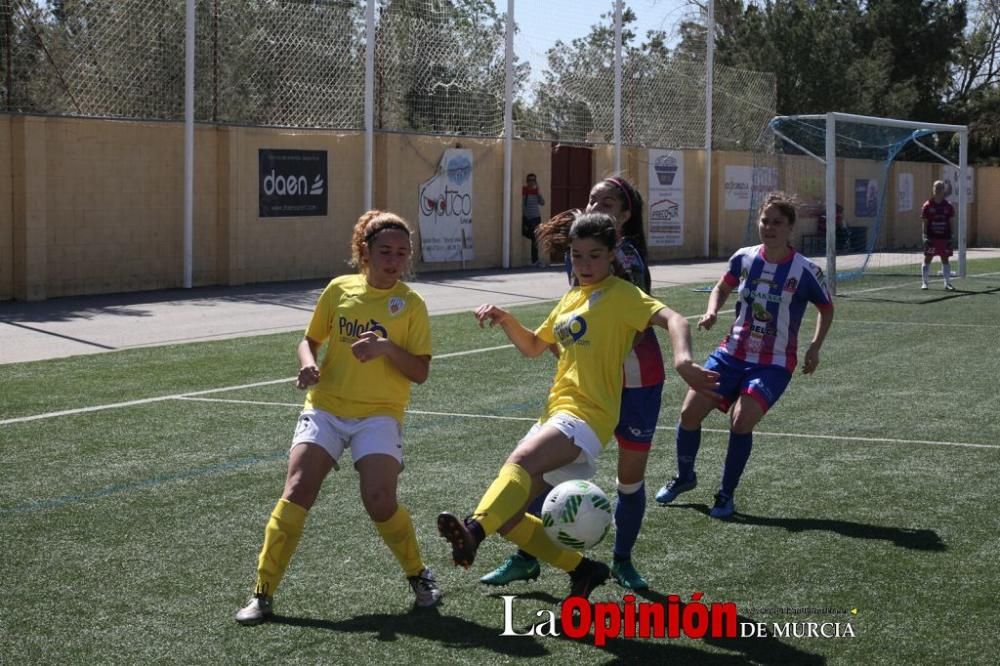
675 487
724 507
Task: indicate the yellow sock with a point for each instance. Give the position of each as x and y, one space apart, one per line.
398 534
529 535
281 537
507 495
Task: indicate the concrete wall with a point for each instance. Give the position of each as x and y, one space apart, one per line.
94 206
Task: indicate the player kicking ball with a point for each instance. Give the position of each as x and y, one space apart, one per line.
594 325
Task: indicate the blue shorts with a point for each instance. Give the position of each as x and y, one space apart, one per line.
637 419
763 383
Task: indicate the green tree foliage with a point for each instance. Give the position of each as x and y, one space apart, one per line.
872 58
440 66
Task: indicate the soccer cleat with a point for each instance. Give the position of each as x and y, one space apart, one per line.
587 575
515 567
675 487
724 507
258 610
949 286
463 543
627 576
425 588
923 285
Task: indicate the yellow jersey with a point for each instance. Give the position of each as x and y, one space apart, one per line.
348 307
594 326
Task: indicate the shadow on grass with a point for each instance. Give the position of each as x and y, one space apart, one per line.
927 297
450 631
904 537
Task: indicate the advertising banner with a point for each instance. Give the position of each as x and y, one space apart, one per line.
666 198
446 209
291 183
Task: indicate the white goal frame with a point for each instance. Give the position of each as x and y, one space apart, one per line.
829 160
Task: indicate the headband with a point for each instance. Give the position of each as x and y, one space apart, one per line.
388 225
621 186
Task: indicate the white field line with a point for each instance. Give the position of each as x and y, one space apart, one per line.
910 284
793 435
177 396
944 324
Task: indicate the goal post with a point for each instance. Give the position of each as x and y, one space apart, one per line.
844 145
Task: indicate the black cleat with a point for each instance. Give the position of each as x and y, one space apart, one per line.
463 542
587 575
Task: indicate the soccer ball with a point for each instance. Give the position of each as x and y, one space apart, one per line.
576 514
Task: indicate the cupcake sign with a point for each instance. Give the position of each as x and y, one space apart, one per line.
666 198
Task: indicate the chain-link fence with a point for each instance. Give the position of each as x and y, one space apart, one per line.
439 68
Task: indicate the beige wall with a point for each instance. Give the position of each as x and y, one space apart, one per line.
92 206
256 249
408 160
635 167
987 206
528 157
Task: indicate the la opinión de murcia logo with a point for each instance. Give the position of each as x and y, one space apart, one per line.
579 618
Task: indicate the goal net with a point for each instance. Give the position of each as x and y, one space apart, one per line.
861 183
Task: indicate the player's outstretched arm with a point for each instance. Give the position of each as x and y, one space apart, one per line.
823 323
717 299
523 338
701 380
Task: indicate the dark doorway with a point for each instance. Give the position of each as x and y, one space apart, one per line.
572 176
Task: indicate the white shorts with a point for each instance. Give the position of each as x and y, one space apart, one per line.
584 437
372 434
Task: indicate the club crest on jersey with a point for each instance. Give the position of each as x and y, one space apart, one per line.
569 331
594 297
791 284
396 305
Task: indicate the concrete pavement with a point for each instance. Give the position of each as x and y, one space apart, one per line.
92 324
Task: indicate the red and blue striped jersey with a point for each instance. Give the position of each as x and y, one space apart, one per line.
772 299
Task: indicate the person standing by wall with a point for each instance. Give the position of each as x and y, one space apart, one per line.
531 214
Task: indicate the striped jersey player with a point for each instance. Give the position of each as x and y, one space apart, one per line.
774 286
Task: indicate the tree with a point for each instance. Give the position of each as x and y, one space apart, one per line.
440 67
973 97
871 58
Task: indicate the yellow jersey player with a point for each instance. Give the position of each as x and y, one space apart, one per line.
379 344
594 325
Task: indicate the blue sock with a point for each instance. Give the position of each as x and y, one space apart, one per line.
688 442
737 456
535 509
629 511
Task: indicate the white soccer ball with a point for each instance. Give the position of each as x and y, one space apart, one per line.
576 514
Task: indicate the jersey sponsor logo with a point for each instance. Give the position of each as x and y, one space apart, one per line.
396 305
570 330
354 328
820 277
760 313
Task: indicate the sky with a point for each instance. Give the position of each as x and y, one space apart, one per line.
542 22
